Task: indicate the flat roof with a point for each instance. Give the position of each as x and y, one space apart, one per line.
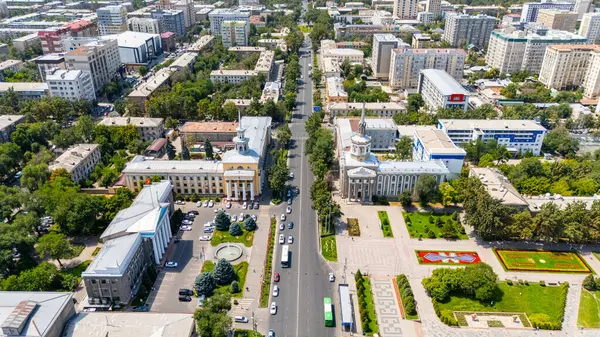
23 86
64 75
437 141
491 124
137 121
227 72
73 157
114 256
216 127
335 87
445 83
7 120
393 106
129 39
48 308
147 166
184 60
10 63
127 324
345 304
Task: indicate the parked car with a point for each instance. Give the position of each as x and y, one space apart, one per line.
331 277
171 264
199 204
193 212
282 217
240 319
256 205
241 217
186 228
281 239
281 226
290 239
180 202
206 203
245 205
291 225
288 210
271 333
253 216
273 308
276 277
204 238
185 298
184 291
187 222
228 205
234 218
211 203
291 175
275 291
289 201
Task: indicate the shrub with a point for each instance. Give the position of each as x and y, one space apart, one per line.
358 276
409 305
249 224
589 283
407 293
438 222
234 288
431 219
407 218
222 221
455 216
542 283
353 227
430 233
217 199
509 282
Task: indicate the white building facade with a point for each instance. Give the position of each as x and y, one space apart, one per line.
406 64
78 160
235 33
71 84
440 90
590 27
112 19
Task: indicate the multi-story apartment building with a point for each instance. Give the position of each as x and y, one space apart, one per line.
405 9
149 128
235 33
112 19
571 66
71 84
434 7
51 39
217 16
440 90
83 28
590 27
463 29
189 12
531 10
232 76
25 90
421 41
406 64
25 42
381 109
511 50
202 43
425 18
8 124
557 19
100 58
78 160
143 25
582 7
334 87
516 135
170 21
382 52
136 239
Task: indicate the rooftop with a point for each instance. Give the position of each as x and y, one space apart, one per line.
407 167
127 324
490 124
137 121
39 310
227 72
385 38
71 158
368 106
202 42
7 120
445 83
184 60
437 141
113 256
498 186
216 127
335 87
23 86
10 63
63 75
131 39
149 166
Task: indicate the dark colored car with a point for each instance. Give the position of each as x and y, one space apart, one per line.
185 298
276 277
187 292
291 225
193 212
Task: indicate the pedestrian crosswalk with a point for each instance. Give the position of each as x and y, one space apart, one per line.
242 307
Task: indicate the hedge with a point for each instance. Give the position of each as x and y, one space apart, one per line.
406 295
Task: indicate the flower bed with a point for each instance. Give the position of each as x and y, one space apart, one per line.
542 261
447 257
353 228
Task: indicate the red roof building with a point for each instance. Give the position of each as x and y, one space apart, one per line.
82 28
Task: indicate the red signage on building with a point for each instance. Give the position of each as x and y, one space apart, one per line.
457 98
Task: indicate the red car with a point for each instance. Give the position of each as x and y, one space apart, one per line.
276 277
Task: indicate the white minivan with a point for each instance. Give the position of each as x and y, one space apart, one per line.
240 319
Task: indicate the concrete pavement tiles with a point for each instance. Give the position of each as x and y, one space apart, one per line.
386 307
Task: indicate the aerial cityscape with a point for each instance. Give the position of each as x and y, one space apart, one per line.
300 168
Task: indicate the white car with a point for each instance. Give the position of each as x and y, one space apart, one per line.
204 238
273 309
171 264
211 203
288 210
234 218
291 175
281 226
199 204
206 203
241 217
290 239
186 228
180 202
275 291
331 277
245 205
228 206
281 238
187 222
282 217
253 216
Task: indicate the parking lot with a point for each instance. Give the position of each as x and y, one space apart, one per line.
189 254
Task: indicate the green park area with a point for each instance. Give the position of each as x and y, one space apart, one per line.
589 309
542 261
225 286
228 231
329 247
430 225
386 227
246 238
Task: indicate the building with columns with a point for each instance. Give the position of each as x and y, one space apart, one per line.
363 175
240 175
136 239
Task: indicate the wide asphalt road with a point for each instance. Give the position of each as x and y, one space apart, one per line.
303 286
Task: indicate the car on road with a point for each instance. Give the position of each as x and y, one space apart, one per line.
289 201
211 203
331 277
185 298
171 264
290 239
291 175
245 205
234 218
180 202
204 238
288 210
186 228
282 217
276 277
281 238
281 226
240 319
199 204
289 193
184 291
206 203
273 308
275 291
271 333
291 225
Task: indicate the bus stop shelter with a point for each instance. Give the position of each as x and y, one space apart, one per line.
345 307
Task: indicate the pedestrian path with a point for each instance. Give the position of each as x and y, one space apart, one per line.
386 307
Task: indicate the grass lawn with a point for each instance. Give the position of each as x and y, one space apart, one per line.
329 248
386 227
220 237
419 222
542 261
530 299
266 282
77 270
241 270
589 309
370 307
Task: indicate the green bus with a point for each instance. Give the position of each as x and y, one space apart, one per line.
328 311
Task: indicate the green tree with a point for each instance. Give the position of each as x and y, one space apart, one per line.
185 153
427 189
234 288
559 141
284 134
404 148
405 198
205 284
250 224
34 176
84 128
235 229
448 194
278 176
208 149
170 150
55 245
143 70
415 103
223 272
222 221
